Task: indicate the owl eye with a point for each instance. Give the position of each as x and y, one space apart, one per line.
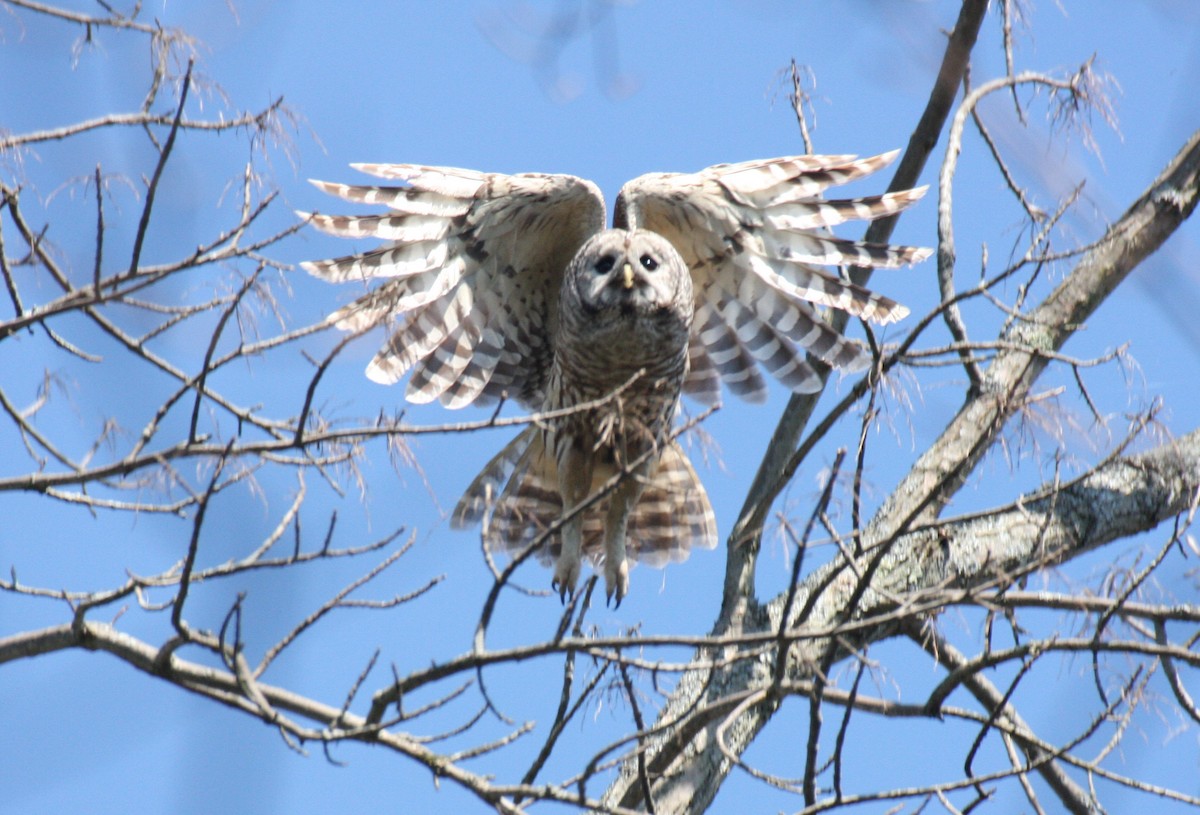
649 263
604 265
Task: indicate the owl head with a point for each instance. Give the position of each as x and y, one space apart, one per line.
623 274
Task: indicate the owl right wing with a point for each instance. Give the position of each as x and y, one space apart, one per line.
473 262
755 236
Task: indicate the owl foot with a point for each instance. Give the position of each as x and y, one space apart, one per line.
616 580
566 575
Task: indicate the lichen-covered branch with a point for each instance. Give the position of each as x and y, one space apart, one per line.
906 553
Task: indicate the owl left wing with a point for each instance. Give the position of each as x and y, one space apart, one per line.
473 262
753 235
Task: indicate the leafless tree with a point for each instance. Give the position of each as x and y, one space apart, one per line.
194 324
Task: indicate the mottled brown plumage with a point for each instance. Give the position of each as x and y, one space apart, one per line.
510 289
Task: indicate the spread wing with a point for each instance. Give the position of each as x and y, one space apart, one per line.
472 262
755 235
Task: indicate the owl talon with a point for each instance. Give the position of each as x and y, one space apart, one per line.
616 583
566 576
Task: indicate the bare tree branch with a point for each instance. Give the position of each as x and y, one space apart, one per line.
688 764
194 436
770 479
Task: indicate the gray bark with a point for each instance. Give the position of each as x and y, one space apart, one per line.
906 553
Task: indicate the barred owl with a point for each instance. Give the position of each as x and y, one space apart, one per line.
510 287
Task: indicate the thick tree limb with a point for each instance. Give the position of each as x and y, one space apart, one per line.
943 468
1125 497
901 560
771 477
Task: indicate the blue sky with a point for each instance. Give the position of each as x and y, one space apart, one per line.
654 86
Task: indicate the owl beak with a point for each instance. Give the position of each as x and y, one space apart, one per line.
628 276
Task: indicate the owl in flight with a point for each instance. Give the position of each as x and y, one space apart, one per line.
509 287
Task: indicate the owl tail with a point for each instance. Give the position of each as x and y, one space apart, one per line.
516 498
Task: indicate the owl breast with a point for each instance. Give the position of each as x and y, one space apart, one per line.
622 337
640 355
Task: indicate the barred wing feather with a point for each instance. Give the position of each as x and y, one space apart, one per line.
753 235
472 263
